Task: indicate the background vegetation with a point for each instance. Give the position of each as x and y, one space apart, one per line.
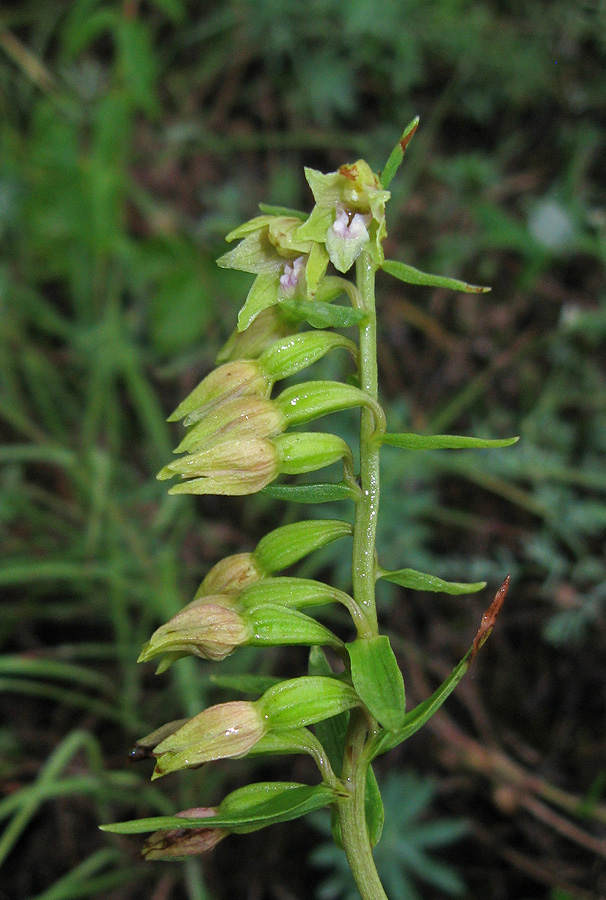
133 136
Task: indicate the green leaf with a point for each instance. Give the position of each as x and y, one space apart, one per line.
397 154
420 581
330 732
373 804
247 809
322 315
378 680
309 493
270 210
414 276
417 717
245 684
443 442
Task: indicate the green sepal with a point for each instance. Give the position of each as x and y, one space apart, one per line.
282 211
443 442
249 227
310 493
246 809
262 294
295 593
255 685
414 276
306 451
288 356
306 700
322 315
420 581
418 716
317 263
285 546
301 403
254 254
273 624
397 154
317 224
378 680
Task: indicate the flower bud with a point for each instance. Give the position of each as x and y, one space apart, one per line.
209 631
241 417
180 843
232 379
230 575
269 325
224 731
232 467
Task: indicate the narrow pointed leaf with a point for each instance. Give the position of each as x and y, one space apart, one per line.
417 717
443 442
420 581
322 315
258 806
414 276
330 732
397 154
309 493
378 680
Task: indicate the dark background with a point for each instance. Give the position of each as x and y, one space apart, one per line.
133 136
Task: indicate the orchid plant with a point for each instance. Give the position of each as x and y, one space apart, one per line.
239 440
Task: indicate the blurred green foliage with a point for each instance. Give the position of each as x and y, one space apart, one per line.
134 135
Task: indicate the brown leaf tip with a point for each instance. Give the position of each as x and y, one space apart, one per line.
489 618
408 137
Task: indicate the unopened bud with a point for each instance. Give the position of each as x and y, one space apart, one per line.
232 467
241 417
224 731
209 631
230 575
232 379
181 843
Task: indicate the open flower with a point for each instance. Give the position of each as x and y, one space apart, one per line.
270 249
349 214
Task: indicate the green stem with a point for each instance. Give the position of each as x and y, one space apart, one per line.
352 810
352 813
367 506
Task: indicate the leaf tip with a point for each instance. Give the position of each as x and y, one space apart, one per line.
489 618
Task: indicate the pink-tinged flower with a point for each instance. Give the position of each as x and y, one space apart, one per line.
224 731
268 248
181 843
230 575
349 215
293 277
